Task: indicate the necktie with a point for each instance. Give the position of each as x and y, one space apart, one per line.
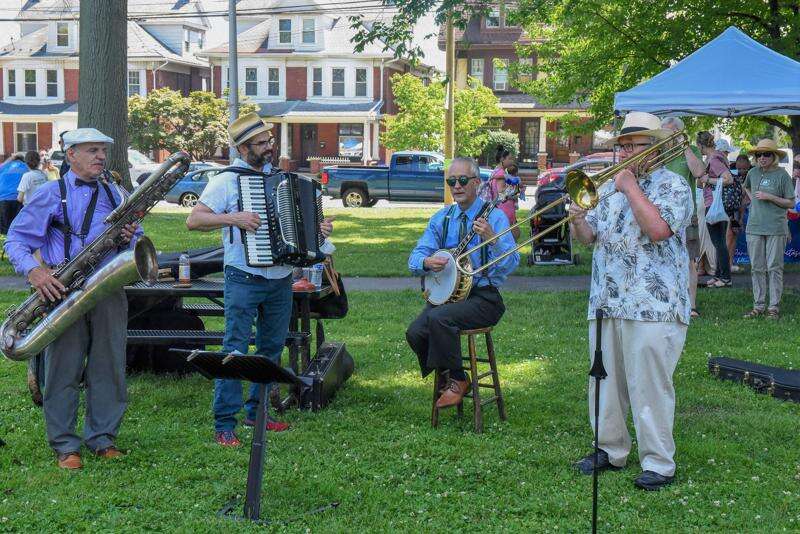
462 226
82 183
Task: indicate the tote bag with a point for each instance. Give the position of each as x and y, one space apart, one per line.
716 212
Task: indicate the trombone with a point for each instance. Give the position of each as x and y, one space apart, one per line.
582 189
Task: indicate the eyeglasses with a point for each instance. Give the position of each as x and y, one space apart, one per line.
763 154
269 142
628 147
463 180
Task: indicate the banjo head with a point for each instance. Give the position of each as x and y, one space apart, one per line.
440 286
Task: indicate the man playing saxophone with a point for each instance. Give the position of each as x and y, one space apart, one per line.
61 218
434 334
639 281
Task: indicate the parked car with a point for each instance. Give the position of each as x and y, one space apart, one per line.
140 166
189 188
410 177
589 166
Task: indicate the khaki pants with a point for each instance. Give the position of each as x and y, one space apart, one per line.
639 358
766 261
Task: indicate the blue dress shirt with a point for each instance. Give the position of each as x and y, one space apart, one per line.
431 241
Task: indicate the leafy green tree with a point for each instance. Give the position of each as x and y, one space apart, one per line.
419 123
165 119
588 50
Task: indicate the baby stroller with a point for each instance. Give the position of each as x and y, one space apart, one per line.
554 248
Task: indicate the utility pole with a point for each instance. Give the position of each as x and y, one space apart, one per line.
233 71
449 111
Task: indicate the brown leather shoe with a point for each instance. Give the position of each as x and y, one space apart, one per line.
70 460
455 391
109 452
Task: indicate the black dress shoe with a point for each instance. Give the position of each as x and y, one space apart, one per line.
586 464
652 481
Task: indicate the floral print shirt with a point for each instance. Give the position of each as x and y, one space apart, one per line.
633 277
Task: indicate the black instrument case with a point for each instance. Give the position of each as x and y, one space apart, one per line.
775 381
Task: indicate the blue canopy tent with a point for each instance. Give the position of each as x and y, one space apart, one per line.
704 83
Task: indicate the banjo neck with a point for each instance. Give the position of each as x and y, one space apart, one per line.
484 211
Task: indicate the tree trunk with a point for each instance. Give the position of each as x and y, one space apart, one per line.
102 85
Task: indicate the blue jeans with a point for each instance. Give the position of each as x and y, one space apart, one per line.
248 298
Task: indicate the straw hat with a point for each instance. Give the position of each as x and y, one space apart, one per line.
768 145
640 123
246 127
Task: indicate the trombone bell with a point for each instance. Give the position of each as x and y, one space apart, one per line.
581 189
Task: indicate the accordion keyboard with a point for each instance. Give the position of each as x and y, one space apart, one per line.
258 244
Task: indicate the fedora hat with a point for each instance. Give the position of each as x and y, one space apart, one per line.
247 126
767 145
640 123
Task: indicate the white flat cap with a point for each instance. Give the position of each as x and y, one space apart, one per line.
85 135
724 146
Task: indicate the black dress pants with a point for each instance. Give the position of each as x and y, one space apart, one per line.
717 234
434 334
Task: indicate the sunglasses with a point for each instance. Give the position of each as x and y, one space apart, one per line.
763 154
463 180
269 142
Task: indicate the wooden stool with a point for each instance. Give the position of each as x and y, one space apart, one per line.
476 385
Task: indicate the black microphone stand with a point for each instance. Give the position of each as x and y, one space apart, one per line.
598 372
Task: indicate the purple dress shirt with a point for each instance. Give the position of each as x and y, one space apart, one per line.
33 228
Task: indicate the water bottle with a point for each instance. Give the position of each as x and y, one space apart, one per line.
184 270
316 275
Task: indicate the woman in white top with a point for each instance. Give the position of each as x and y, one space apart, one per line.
31 180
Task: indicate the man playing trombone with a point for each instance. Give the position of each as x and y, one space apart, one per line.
434 334
639 281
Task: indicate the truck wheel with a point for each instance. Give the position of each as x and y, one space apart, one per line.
355 198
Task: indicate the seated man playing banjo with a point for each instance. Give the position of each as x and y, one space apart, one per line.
434 334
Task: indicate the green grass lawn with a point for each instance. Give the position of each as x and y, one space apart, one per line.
373 449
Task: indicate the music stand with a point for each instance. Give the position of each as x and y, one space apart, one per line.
261 370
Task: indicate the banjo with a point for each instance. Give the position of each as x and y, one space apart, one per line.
450 284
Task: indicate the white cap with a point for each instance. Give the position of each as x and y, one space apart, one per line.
85 135
724 146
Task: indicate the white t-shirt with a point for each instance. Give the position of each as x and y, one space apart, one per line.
221 195
30 182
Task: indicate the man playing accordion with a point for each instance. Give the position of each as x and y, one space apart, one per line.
434 334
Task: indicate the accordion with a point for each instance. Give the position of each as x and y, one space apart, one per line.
290 208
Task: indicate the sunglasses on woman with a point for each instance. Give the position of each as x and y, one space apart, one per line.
463 180
763 154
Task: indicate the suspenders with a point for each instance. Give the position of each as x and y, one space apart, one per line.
66 227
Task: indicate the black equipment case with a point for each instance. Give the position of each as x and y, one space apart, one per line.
775 381
328 371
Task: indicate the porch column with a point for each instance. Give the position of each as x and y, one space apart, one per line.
541 156
376 127
366 145
283 161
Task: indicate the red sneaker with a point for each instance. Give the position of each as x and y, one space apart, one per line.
272 425
227 438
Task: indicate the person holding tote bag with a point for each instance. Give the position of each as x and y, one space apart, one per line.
717 175
771 193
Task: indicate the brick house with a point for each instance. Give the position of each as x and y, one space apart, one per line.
39 71
482 48
299 67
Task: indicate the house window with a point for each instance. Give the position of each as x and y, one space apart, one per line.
12 82
285 31
30 82
526 69
26 136
316 81
273 81
309 31
493 19
476 68
251 81
530 141
351 140
62 34
361 82
134 83
52 83
500 79
337 82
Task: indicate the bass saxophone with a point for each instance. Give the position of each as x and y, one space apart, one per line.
34 324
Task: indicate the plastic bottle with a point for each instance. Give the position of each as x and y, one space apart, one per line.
316 275
184 270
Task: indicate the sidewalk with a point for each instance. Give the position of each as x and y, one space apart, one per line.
791 280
